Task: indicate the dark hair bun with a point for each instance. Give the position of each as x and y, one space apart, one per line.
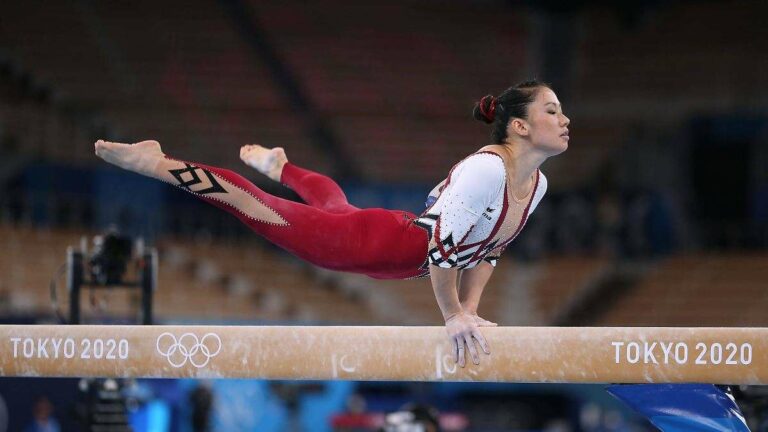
485 110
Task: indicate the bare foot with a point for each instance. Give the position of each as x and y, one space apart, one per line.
269 162
141 157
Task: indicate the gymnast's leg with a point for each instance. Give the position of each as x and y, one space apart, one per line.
371 241
225 189
315 189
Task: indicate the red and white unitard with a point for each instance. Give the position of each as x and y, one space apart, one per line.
474 217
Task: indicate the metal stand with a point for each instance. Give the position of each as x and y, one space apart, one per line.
76 280
104 408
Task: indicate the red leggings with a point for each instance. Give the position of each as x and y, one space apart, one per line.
328 231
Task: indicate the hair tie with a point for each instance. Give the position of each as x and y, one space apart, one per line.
490 113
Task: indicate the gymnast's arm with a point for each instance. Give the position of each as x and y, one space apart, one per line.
444 285
461 326
471 285
474 183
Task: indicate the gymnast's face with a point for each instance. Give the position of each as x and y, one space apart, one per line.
546 127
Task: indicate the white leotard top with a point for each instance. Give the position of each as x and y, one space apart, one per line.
475 216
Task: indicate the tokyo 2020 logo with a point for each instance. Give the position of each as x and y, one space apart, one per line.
188 348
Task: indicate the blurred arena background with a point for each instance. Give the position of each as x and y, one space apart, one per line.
657 215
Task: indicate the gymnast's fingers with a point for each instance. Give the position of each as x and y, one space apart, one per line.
481 340
461 356
472 349
455 345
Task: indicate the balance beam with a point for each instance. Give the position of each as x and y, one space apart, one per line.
518 354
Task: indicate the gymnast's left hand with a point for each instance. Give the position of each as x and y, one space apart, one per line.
463 330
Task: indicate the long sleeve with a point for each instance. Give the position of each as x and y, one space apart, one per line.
469 190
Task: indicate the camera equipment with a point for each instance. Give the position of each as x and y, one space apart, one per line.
110 258
103 407
105 268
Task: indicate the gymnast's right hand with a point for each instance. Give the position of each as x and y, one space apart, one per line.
463 331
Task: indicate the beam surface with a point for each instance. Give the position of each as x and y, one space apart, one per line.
518 354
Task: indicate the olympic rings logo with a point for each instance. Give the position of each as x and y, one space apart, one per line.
188 348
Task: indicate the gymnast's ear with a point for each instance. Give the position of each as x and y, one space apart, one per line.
518 126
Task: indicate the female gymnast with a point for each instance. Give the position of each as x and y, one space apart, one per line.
473 214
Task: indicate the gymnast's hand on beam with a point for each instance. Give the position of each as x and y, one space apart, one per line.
482 322
463 330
